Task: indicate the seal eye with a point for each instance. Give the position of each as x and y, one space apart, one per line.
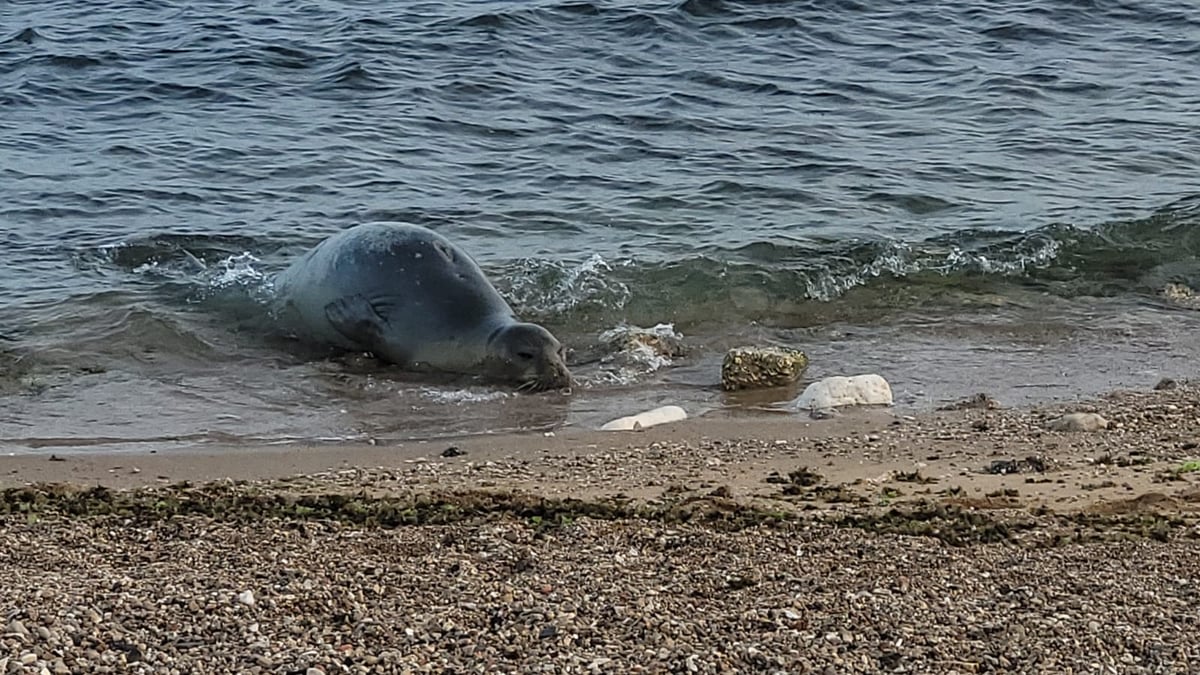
525 355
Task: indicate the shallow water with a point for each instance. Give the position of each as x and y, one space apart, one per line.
958 196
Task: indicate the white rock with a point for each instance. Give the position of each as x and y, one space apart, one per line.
1078 422
246 598
836 392
667 413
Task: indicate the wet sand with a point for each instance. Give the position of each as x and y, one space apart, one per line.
965 540
868 452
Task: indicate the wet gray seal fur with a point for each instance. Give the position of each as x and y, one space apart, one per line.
413 298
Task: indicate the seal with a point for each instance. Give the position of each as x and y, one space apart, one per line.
411 297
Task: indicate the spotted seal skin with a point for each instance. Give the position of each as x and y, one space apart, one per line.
413 298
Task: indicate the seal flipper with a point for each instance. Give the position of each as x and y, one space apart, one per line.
358 321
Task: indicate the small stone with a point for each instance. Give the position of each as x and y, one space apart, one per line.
1181 294
761 367
17 627
836 392
1031 464
1082 421
246 598
980 401
28 658
314 671
663 415
662 340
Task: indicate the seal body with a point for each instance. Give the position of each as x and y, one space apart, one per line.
411 297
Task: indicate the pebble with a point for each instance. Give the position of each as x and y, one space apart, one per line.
1080 421
650 418
629 594
761 367
839 392
246 598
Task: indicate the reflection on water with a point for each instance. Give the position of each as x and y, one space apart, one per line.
955 194
1070 350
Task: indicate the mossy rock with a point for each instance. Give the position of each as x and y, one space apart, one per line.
761 367
661 340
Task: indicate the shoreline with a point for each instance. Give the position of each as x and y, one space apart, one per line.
870 542
1152 436
88 402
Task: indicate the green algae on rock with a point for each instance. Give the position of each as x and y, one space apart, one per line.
761 367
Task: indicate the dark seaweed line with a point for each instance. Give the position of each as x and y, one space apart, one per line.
951 524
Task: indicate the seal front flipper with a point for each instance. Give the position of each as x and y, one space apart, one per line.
358 321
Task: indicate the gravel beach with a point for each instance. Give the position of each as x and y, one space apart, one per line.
975 539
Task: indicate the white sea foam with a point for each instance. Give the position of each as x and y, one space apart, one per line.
544 286
238 270
901 259
646 349
636 352
461 396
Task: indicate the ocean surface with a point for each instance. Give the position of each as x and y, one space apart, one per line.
963 196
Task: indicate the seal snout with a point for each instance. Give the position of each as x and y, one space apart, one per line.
532 356
551 373
557 377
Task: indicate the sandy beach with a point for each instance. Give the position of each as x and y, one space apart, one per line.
973 539
312 315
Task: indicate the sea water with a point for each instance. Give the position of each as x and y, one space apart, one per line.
959 195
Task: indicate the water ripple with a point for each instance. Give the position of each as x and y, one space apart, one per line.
863 144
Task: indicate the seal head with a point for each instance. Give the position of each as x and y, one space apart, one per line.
529 354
